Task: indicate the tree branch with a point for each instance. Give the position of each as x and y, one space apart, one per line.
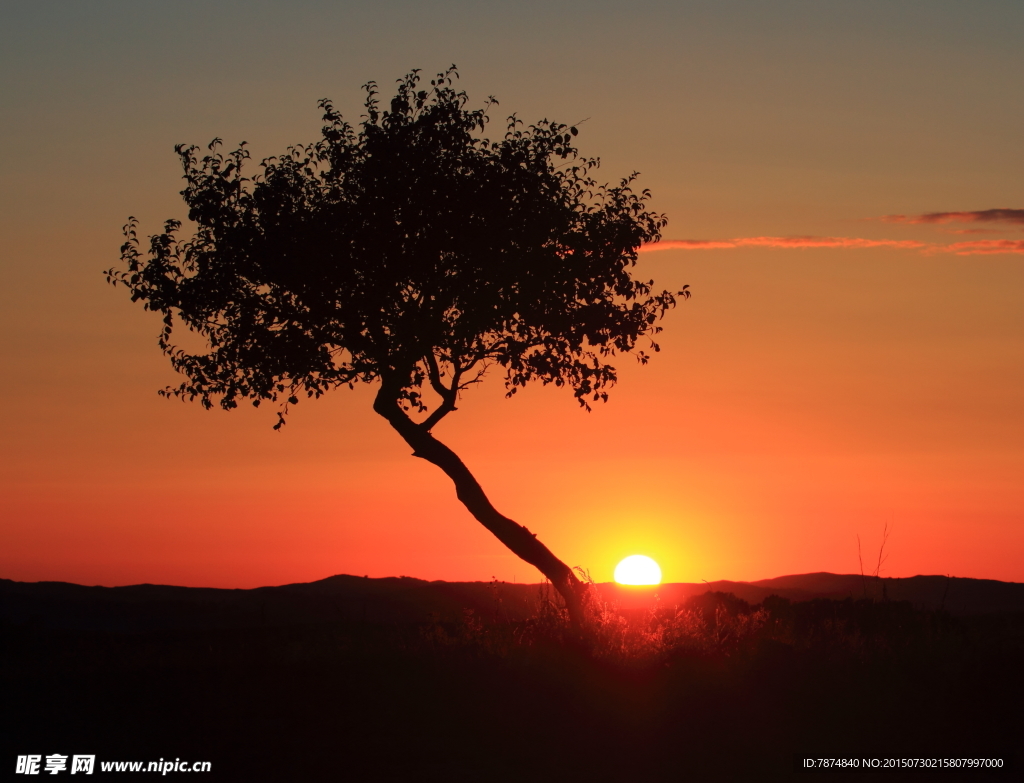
448 395
434 376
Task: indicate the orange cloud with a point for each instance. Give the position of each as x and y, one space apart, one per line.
977 216
688 244
841 242
975 247
786 242
985 247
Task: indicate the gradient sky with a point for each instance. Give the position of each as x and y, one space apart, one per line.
846 361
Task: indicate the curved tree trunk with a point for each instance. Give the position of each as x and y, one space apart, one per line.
513 535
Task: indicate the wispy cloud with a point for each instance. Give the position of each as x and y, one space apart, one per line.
966 248
984 247
975 247
688 244
977 216
784 242
841 242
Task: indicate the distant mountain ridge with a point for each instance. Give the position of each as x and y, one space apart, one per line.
404 599
957 595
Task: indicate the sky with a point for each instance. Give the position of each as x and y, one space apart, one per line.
843 182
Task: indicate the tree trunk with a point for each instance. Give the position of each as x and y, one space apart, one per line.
513 535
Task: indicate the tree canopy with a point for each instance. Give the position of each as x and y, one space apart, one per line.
413 251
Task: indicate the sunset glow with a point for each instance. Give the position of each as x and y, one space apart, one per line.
842 185
638 570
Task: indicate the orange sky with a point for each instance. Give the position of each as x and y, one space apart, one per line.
839 368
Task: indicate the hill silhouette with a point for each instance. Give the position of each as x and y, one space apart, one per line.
61 605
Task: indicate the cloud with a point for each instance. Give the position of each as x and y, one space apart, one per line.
783 242
978 216
967 248
841 242
984 247
688 244
972 248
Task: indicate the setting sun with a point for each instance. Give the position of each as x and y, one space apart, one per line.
638 570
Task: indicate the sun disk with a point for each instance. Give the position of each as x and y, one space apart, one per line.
638 570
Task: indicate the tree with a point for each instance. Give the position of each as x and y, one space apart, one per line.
414 253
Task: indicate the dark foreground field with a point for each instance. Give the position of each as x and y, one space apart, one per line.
709 688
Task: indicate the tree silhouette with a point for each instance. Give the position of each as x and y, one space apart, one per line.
414 253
